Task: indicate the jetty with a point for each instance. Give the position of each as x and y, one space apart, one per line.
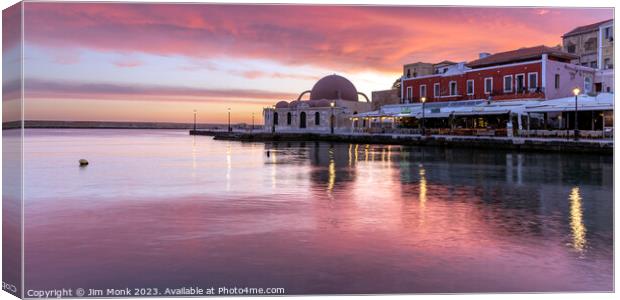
599 146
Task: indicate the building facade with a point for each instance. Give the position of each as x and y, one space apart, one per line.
593 44
385 97
528 73
417 69
333 100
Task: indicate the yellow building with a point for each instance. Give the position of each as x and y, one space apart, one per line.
593 43
594 46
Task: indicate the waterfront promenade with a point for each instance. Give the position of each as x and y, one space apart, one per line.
602 146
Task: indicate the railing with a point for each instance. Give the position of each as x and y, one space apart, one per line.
563 133
434 131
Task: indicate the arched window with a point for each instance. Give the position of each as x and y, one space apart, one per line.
275 118
302 120
317 118
288 118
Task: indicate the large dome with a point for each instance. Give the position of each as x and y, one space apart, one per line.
333 87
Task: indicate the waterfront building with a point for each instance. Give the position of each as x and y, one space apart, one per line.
539 72
418 69
332 101
593 44
521 117
385 97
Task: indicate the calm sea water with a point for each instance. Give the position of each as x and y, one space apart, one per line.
160 209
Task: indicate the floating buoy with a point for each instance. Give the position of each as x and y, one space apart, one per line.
83 163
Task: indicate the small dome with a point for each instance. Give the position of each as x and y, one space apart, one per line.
282 104
333 87
296 104
319 103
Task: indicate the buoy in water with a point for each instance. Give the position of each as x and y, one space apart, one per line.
83 163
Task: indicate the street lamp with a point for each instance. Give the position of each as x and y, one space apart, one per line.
332 104
576 93
423 100
195 112
252 129
229 128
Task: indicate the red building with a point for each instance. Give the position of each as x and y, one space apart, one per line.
525 73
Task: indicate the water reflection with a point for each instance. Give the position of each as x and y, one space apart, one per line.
313 217
576 220
422 186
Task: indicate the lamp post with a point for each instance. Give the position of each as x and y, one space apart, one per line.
195 112
576 93
331 119
229 128
252 129
423 100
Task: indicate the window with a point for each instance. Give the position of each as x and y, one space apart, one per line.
470 87
593 64
532 80
590 44
607 64
423 90
609 33
302 120
570 48
557 81
507 83
436 90
317 118
520 83
587 85
488 85
275 118
453 88
408 73
409 93
288 119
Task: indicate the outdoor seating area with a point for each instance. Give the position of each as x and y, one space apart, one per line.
525 117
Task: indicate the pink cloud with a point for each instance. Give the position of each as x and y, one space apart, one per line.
11 29
49 89
127 63
339 37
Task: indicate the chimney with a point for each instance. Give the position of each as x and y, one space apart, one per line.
483 54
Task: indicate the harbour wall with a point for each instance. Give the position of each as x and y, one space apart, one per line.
519 144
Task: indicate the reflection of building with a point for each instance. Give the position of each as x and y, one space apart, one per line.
594 46
528 73
333 99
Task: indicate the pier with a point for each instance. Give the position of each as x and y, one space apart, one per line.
601 146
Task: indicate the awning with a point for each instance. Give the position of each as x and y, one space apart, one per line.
481 113
568 108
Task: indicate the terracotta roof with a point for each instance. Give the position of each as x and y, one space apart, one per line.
586 28
522 54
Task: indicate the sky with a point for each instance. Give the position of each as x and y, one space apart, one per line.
159 62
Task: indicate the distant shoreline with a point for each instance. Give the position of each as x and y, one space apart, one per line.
114 125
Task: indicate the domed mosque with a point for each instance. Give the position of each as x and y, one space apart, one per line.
333 101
